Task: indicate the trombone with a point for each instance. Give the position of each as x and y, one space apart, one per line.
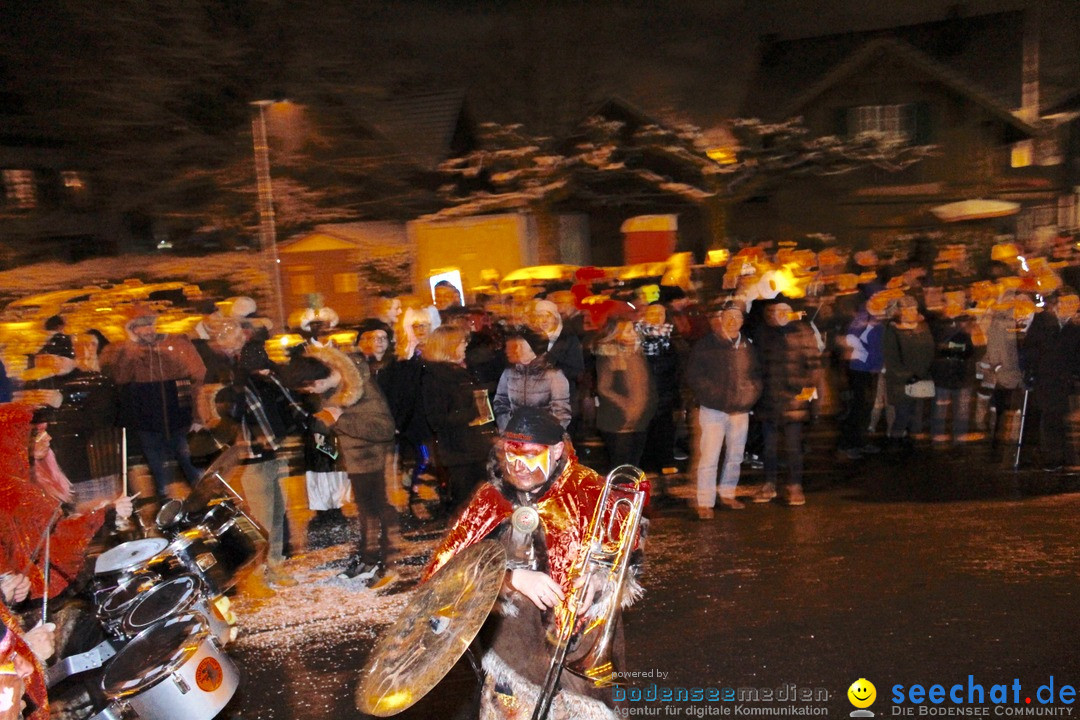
612 537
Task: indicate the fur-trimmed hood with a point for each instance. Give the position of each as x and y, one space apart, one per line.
351 388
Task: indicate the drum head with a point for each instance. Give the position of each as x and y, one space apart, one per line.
121 598
162 601
153 655
128 555
169 514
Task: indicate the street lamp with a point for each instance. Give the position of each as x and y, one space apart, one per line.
267 228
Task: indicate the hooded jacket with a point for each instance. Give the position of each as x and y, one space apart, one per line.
536 384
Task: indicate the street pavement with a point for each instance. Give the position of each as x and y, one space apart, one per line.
923 569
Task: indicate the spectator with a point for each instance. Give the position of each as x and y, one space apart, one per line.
953 371
1000 366
909 353
157 376
530 380
374 340
626 393
661 348
1051 356
723 375
57 342
865 337
457 412
563 348
790 359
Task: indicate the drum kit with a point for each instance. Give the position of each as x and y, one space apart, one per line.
161 603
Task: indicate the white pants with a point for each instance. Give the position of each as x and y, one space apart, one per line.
713 426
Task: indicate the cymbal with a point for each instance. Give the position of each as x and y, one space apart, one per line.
419 649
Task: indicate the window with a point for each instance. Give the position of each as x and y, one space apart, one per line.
1023 154
72 180
910 122
302 284
879 119
19 189
346 283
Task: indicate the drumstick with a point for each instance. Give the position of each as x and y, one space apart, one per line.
123 458
45 572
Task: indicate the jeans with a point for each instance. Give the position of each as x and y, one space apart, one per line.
158 448
714 426
960 401
261 482
792 449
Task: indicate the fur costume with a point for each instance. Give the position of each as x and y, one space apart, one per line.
515 637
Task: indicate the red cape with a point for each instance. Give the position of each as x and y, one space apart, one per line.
35 684
25 511
565 510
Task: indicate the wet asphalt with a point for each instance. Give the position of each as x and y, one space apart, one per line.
908 569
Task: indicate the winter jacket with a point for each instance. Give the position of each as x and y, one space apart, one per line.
1002 358
626 392
156 381
789 359
1051 355
365 432
724 375
865 337
909 353
450 405
954 354
534 385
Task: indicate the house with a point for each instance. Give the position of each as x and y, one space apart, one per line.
346 263
914 82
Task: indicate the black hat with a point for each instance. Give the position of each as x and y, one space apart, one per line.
533 425
372 324
59 344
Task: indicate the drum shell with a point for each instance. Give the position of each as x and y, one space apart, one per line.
196 552
179 695
182 602
241 545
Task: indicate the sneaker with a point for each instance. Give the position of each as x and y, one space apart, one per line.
731 503
276 575
371 574
354 567
794 496
704 513
764 494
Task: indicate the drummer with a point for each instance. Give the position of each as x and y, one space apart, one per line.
29 501
537 474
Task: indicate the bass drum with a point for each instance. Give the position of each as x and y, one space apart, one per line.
173 670
179 596
241 542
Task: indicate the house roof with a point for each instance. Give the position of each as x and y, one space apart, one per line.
423 126
374 238
875 49
986 51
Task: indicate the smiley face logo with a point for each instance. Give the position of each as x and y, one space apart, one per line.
862 693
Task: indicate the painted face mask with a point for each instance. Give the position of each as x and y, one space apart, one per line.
527 463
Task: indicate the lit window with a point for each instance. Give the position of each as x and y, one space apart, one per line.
1022 154
72 180
19 188
346 283
302 284
722 155
886 119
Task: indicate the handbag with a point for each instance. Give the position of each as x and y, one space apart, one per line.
920 389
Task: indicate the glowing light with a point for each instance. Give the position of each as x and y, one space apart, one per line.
722 155
394 700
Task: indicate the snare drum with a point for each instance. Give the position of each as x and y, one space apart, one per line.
179 596
123 562
173 670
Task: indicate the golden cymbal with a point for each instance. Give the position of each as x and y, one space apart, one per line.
419 649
